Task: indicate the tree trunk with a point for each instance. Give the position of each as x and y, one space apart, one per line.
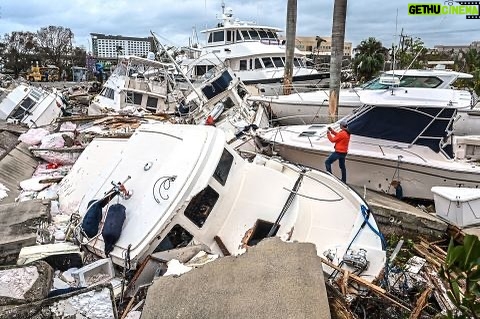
290 47
338 37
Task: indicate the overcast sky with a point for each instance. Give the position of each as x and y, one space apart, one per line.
174 19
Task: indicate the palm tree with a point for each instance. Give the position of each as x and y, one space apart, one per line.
369 58
290 50
338 38
119 51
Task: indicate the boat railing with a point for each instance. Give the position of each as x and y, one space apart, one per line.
277 89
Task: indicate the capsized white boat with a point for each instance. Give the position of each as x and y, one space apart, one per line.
137 83
186 186
398 145
30 105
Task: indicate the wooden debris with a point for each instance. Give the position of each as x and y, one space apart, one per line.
421 303
375 289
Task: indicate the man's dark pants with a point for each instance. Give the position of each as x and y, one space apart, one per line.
341 162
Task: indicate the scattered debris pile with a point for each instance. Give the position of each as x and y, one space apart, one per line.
413 285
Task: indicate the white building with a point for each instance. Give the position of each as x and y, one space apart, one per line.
111 46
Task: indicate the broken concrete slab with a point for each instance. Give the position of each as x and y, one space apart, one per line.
19 227
24 284
395 216
91 303
272 279
16 166
8 141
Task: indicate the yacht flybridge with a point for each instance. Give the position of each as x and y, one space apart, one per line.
183 185
254 52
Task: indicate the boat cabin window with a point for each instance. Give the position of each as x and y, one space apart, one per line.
217 36
272 35
267 62
254 35
152 103
258 64
202 69
230 36
201 205
245 35
296 62
263 34
243 64
223 167
108 93
177 237
135 98
23 108
239 37
277 61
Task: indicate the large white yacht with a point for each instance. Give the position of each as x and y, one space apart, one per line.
399 146
254 52
183 185
312 107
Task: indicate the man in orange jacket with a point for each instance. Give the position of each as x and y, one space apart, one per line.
341 140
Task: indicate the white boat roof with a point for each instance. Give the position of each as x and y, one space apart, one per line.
417 97
430 72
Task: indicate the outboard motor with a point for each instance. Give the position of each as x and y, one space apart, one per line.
112 228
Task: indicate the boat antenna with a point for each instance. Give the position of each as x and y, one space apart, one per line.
394 41
223 7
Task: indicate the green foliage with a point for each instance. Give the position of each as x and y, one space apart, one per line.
469 62
462 272
411 53
369 59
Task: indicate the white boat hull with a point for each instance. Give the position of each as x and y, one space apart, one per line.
377 174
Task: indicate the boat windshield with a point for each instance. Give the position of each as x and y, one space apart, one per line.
405 81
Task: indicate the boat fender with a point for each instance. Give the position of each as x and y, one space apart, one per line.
112 228
92 218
